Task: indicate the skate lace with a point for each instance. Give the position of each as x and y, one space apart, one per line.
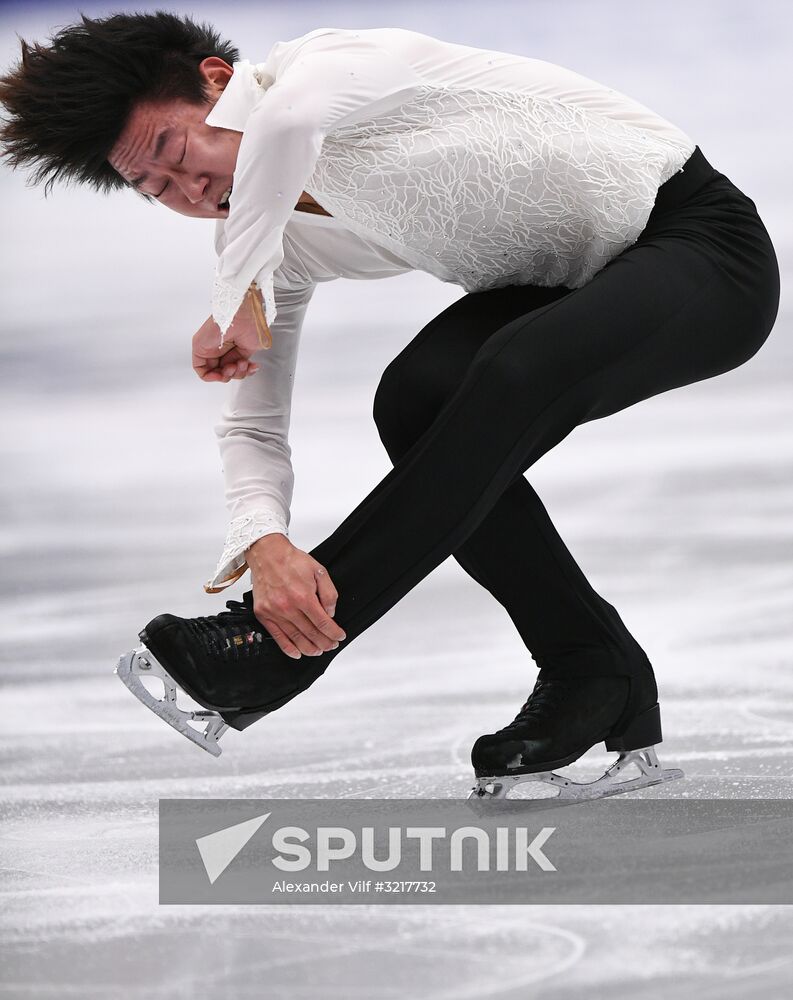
546 697
235 610
230 634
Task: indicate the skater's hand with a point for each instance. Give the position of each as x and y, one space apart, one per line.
213 363
293 597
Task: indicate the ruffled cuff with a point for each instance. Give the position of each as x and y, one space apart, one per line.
227 297
243 532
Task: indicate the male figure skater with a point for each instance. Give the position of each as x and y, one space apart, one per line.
604 260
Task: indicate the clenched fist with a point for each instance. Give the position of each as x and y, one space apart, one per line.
213 363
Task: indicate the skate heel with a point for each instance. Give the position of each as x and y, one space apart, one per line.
240 720
643 730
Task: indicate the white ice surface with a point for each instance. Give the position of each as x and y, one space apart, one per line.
679 510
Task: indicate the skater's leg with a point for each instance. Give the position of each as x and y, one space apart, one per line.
695 296
560 617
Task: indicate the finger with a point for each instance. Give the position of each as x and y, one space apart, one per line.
205 374
321 610
295 631
324 637
283 640
232 363
202 366
326 592
228 358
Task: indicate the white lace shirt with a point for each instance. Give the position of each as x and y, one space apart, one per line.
482 168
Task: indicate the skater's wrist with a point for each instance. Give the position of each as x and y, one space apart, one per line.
271 541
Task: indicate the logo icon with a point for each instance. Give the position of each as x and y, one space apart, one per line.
219 849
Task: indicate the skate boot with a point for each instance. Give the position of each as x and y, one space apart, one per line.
562 718
228 663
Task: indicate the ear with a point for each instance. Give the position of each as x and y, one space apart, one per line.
216 74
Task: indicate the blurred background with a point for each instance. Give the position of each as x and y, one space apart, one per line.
678 510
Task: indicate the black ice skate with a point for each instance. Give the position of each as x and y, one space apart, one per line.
228 663
563 718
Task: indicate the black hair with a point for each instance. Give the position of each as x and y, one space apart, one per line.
67 102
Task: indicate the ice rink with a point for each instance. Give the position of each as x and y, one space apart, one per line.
679 511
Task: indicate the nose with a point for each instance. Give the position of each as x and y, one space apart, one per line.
192 187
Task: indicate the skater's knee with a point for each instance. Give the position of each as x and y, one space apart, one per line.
385 408
405 404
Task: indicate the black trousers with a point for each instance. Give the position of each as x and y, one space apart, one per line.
501 376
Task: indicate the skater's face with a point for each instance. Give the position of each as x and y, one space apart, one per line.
166 150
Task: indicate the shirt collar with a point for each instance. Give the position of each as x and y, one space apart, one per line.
243 91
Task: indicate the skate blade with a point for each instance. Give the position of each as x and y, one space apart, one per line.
645 759
141 663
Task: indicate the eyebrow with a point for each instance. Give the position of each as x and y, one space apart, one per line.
162 138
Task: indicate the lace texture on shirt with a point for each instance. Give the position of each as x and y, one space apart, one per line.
243 532
227 298
489 188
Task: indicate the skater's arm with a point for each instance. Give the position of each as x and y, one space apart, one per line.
253 438
294 596
324 82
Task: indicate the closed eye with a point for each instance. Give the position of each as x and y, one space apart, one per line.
165 188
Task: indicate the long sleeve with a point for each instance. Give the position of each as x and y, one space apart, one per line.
324 80
253 436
